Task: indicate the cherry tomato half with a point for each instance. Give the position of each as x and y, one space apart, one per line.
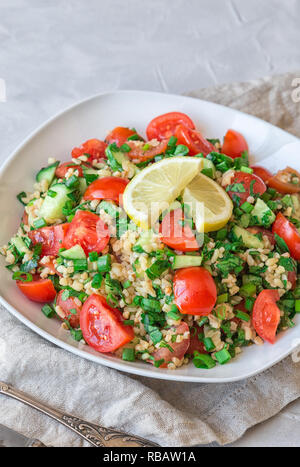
92 147
195 291
266 315
288 232
119 135
51 238
68 307
175 235
193 140
285 187
195 343
138 152
62 169
107 188
87 230
246 180
164 126
179 348
38 290
262 173
234 144
102 326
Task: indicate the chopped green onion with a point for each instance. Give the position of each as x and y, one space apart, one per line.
104 263
247 207
76 334
39 223
247 290
80 265
223 356
247 170
48 311
242 315
22 276
249 302
297 306
202 360
93 256
127 284
97 281
125 148
222 298
128 355
208 344
174 313
128 322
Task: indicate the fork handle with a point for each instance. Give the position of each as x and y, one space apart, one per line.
96 435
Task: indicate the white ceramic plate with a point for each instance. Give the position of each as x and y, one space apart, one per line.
93 118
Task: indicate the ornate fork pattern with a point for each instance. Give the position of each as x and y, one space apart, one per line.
96 435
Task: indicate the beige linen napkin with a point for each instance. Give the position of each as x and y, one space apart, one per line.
170 413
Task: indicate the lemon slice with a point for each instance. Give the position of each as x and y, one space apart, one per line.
210 205
152 190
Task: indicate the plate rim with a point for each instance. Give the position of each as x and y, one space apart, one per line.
119 365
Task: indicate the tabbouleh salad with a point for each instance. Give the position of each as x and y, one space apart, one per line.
183 288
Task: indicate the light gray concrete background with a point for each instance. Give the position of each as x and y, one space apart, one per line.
54 53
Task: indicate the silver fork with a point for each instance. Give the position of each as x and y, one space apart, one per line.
96 435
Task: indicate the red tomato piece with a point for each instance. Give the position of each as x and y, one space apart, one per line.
87 230
175 235
107 188
62 169
258 186
138 154
93 147
256 230
102 326
25 218
38 290
51 238
119 135
195 291
234 144
179 348
66 307
262 173
288 232
292 278
285 187
266 315
195 343
193 140
164 126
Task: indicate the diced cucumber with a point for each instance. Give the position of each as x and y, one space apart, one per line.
145 241
116 159
75 252
19 244
109 207
263 213
296 203
82 186
250 240
47 173
186 261
209 165
51 209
